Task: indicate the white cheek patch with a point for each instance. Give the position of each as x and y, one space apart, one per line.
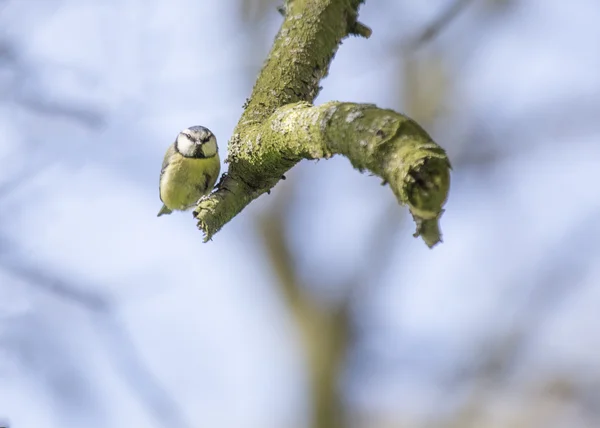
209 149
184 145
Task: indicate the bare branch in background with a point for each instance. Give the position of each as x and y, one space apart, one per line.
129 363
8 54
82 114
126 359
378 254
327 331
38 103
32 170
323 331
435 27
52 285
488 372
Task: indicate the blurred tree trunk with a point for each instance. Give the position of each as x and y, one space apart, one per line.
324 332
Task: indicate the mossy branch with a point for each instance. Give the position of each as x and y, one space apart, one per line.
279 126
383 142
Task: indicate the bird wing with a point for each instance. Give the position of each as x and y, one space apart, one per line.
215 176
211 176
170 152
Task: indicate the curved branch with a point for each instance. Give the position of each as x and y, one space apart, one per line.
279 127
386 143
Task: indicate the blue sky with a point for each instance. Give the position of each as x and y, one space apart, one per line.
206 319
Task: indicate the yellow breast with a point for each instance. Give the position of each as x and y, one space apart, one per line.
186 180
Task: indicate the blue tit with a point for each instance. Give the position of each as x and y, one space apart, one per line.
190 169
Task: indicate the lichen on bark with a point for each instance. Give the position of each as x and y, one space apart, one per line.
280 126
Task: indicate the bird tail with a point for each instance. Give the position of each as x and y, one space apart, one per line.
164 210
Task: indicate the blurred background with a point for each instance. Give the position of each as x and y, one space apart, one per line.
315 307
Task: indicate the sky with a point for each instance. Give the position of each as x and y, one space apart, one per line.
200 327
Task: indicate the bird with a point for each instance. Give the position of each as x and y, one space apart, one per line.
189 170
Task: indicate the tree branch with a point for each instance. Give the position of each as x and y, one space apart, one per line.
384 142
279 127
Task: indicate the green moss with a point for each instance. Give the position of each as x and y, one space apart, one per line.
279 126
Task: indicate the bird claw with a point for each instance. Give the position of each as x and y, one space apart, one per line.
202 198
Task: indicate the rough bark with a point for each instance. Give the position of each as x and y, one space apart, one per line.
280 126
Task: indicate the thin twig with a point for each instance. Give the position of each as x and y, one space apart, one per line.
81 114
129 363
9 57
126 359
436 26
559 279
52 285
